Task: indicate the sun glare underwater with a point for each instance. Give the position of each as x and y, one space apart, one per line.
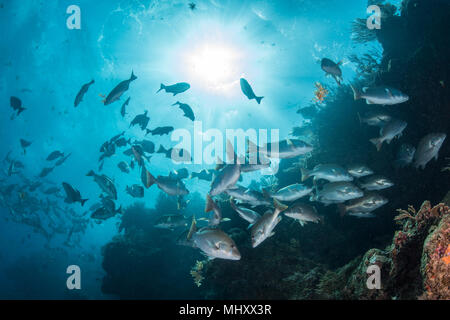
312 136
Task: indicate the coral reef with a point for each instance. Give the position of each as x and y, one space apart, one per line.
435 268
412 267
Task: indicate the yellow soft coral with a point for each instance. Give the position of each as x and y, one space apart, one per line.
321 93
196 273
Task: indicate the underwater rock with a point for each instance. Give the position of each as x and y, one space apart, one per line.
435 266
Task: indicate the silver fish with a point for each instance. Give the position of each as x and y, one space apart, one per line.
245 213
359 170
263 228
171 186
428 149
380 95
375 118
303 213
376 183
213 242
171 222
292 192
363 207
289 148
211 205
249 196
136 191
393 129
330 172
225 179
337 192
105 183
405 155
332 68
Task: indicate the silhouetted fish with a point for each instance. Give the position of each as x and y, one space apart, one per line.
141 120
175 88
25 144
122 110
332 69
120 89
72 194
160 131
248 91
82 92
16 104
188 113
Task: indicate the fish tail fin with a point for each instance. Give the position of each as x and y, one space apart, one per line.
377 142
21 109
279 207
92 82
120 210
83 201
342 209
151 180
90 173
192 229
161 149
232 204
251 146
338 81
161 88
322 220
266 193
305 173
133 77
209 203
258 99
178 102
147 131
356 93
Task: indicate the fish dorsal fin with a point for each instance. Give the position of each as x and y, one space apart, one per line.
209 203
389 92
231 155
192 229
289 142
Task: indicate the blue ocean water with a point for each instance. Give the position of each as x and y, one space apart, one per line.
276 45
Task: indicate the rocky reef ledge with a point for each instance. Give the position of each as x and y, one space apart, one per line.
416 265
